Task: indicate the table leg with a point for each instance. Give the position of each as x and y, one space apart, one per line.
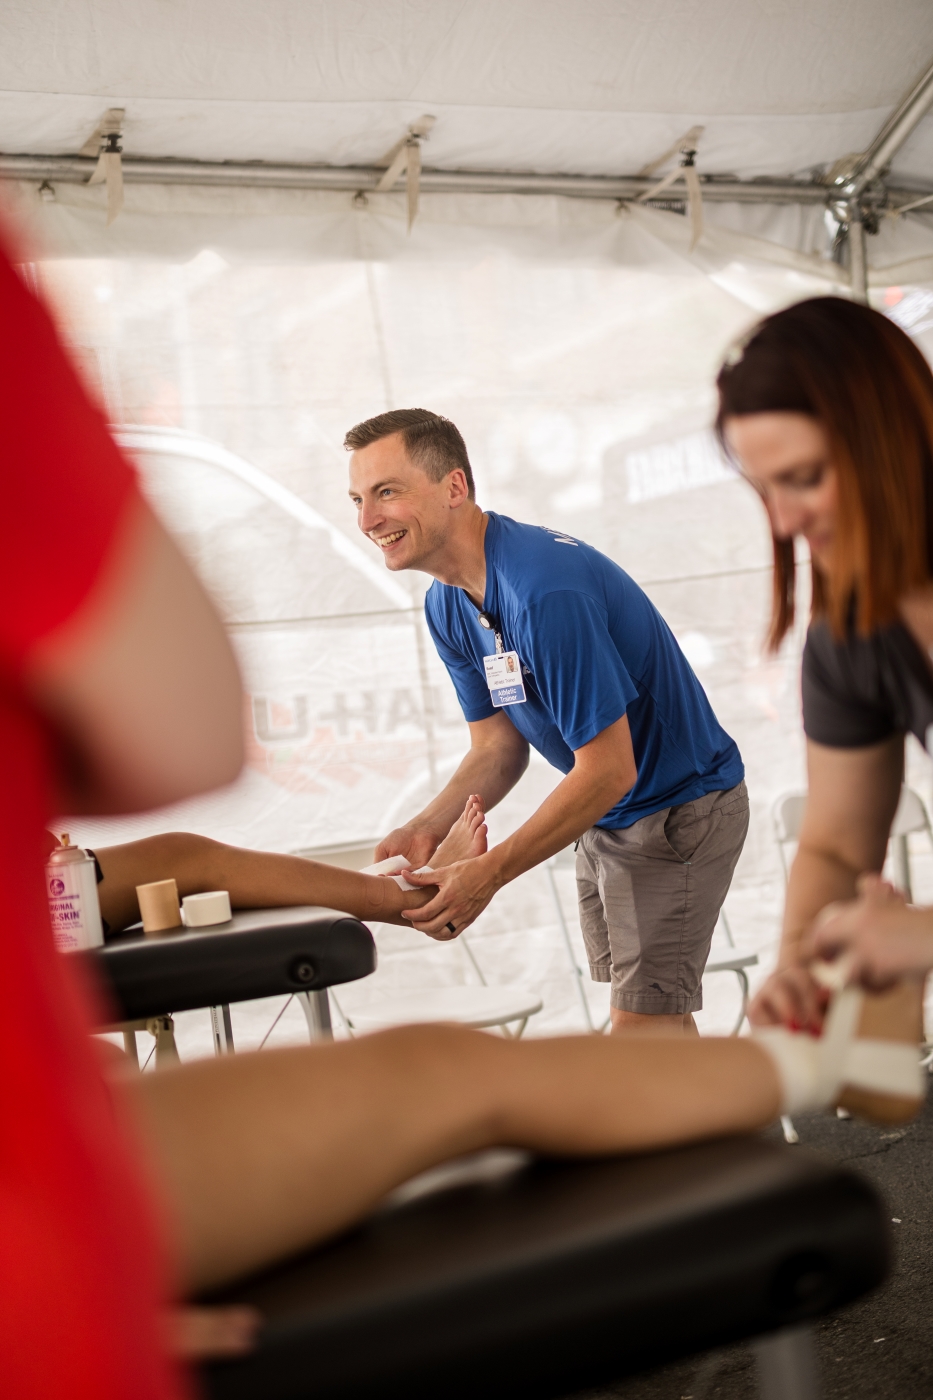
223 1030
787 1368
316 1007
162 1028
129 1045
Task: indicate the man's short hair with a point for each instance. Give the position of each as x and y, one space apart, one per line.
433 443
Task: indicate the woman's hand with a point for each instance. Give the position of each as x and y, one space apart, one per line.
790 997
882 936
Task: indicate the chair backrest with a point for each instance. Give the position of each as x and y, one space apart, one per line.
565 859
787 815
349 855
911 815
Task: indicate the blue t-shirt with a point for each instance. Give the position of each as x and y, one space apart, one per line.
592 648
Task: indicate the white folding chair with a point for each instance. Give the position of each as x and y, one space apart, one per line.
566 860
732 962
911 816
787 819
736 962
483 1007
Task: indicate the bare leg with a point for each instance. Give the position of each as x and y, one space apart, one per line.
635 1023
263 1155
254 879
264 879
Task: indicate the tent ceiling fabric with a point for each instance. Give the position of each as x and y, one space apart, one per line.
570 86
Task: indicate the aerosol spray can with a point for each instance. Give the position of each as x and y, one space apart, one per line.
71 886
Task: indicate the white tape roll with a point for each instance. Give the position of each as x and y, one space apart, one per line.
203 910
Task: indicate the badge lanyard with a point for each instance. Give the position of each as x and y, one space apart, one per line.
503 671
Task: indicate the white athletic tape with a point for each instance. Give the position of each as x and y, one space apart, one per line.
839 1027
391 866
813 1072
404 884
794 1055
205 910
387 867
886 1067
832 975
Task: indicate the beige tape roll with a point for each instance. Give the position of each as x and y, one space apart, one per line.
203 910
158 905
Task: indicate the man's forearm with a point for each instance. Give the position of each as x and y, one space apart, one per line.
485 771
604 771
574 805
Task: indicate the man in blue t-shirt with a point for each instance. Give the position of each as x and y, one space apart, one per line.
551 644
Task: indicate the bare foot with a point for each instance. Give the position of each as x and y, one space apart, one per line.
466 838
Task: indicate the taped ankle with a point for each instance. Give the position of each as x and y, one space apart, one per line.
391 866
796 1060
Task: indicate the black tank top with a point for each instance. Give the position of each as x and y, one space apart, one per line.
864 689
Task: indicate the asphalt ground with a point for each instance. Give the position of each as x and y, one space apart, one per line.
880 1348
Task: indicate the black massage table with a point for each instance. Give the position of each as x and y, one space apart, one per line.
506 1277
257 953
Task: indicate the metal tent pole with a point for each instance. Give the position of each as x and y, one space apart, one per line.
858 263
75 170
913 106
859 183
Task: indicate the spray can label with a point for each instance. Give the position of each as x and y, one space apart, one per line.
73 905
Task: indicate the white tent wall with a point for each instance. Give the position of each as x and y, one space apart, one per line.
583 384
234 333
179 221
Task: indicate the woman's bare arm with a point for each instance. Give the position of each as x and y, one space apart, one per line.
852 797
141 683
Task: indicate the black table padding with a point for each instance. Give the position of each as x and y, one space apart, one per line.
543 1278
258 953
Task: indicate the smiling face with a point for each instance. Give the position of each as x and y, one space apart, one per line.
400 508
787 458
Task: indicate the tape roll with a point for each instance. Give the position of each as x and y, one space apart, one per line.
158 905
203 910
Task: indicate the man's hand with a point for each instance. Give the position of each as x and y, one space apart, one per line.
415 843
882 936
464 890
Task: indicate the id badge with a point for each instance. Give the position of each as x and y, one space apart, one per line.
504 678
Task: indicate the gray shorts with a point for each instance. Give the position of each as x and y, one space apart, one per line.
650 895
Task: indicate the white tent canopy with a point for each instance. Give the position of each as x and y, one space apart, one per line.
585 87
541 90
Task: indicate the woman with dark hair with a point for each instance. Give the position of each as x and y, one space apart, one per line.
828 410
